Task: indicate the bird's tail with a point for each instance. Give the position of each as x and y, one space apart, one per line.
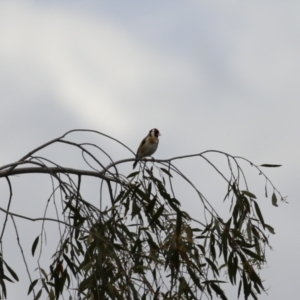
135 163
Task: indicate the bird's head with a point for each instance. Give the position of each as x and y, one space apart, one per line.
154 132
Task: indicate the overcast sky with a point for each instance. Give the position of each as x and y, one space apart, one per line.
208 75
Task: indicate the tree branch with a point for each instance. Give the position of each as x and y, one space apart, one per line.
55 170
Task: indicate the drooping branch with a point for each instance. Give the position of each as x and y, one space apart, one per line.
55 170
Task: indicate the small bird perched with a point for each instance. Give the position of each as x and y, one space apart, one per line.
148 145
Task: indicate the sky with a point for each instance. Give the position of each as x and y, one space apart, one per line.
207 74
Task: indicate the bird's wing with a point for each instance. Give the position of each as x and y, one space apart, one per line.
141 145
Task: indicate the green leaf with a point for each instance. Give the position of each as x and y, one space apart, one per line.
213 266
166 171
149 189
236 211
71 265
6 278
195 278
154 273
38 295
253 294
232 267
133 174
236 264
215 281
247 193
3 286
218 291
126 205
44 273
274 200
212 251
249 232
247 287
125 230
119 197
217 226
182 285
252 254
175 260
174 204
231 271
51 295
239 289
270 166
142 194
31 286
157 214
257 248
35 243
225 236
135 209
45 285
258 212
86 283
178 223
150 206
270 228
11 271
255 278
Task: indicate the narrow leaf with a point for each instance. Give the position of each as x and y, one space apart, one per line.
135 209
247 193
231 271
225 237
213 266
253 294
239 289
270 228
217 225
247 287
71 265
274 200
249 232
252 254
51 295
178 223
166 171
38 295
157 214
31 286
11 271
3 286
218 291
258 212
44 273
195 278
270 166
133 174
150 206
255 278
35 243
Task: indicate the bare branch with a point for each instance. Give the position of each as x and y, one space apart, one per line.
8 206
56 170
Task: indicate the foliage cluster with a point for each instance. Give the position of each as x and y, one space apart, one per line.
140 243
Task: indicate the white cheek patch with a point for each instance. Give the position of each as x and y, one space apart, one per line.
152 133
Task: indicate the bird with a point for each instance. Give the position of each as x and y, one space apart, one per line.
148 145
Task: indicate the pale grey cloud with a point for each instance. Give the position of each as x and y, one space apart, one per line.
221 76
